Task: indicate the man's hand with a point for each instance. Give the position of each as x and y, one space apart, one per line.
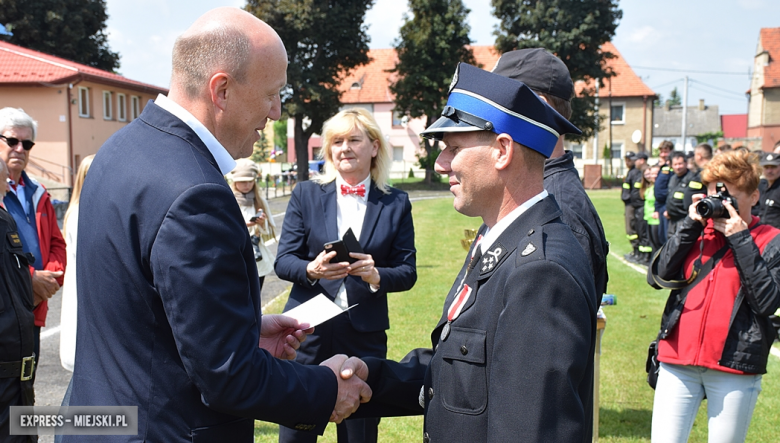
321 267
44 284
364 268
731 225
281 335
352 390
654 215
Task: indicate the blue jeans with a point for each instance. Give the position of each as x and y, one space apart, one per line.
680 390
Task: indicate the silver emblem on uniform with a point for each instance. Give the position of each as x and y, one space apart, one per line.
421 397
454 80
528 250
445 332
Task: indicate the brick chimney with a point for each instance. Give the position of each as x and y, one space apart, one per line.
701 104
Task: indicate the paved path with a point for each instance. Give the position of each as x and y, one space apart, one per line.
52 380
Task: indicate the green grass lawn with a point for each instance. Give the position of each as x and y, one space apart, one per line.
626 400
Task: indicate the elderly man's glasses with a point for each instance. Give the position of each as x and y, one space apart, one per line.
13 141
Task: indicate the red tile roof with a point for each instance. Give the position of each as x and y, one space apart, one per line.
734 125
770 42
374 80
625 82
21 66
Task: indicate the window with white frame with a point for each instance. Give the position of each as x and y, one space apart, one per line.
398 153
617 150
398 119
576 150
135 106
83 102
618 114
107 106
121 107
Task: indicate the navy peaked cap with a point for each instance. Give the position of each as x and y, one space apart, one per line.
482 101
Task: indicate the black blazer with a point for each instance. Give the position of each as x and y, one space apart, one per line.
517 363
387 234
169 299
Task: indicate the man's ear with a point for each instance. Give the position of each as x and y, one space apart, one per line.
218 89
754 197
505 149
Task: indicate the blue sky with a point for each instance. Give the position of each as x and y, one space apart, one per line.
663 40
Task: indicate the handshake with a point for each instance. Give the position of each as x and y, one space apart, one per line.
352 390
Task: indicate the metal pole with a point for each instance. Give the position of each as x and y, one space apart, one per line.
596 132
684 114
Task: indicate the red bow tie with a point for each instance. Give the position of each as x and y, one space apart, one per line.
359 190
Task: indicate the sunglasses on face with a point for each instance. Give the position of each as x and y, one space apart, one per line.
13 141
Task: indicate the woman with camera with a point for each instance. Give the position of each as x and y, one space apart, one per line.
715 333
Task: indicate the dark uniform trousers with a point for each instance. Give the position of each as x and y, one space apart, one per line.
629 196
16 328
769 203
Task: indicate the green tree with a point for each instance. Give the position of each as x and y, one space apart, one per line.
574 30
71 29
280 134
260 149
432 42
674 98
324 39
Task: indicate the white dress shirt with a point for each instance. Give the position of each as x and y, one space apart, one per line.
350 213
221 155
493 233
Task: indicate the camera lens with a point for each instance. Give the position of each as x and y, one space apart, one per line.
711 208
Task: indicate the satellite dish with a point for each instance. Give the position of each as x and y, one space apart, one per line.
636 137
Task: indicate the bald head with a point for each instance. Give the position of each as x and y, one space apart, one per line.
222 40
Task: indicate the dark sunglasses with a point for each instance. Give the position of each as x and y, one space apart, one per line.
12 142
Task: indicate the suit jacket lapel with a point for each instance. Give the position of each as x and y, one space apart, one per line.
330 210
374 207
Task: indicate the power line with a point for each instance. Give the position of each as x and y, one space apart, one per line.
743 99
666 84
691 71
741 95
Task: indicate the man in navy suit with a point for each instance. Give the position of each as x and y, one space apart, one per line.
352 193
169 301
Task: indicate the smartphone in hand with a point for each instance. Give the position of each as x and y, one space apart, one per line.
342 254
256 216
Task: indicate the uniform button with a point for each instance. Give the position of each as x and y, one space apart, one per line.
430 393
464 350
426 438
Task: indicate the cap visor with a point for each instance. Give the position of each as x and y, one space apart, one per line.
446 124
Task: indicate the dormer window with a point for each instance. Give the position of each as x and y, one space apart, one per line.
355 85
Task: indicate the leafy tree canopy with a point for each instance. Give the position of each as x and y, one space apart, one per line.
432 42
324 39
574 30
71 29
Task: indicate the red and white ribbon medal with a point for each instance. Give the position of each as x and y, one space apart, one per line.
455 308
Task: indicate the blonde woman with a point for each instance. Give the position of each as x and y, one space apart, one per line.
69 296
352 193
257 215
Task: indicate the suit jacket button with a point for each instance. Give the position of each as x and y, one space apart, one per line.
430 393
426 438
464 350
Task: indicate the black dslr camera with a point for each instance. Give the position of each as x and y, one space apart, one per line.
712 206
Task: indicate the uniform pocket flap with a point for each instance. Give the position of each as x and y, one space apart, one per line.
465 345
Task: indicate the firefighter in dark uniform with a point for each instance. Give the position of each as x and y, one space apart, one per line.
661 187
769 188
676 211
630 196
702 155
16 322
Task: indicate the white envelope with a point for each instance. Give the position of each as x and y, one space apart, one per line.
316 311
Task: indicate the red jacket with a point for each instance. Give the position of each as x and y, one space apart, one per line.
50 241
703 327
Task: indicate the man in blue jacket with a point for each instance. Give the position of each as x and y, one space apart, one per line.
169 298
